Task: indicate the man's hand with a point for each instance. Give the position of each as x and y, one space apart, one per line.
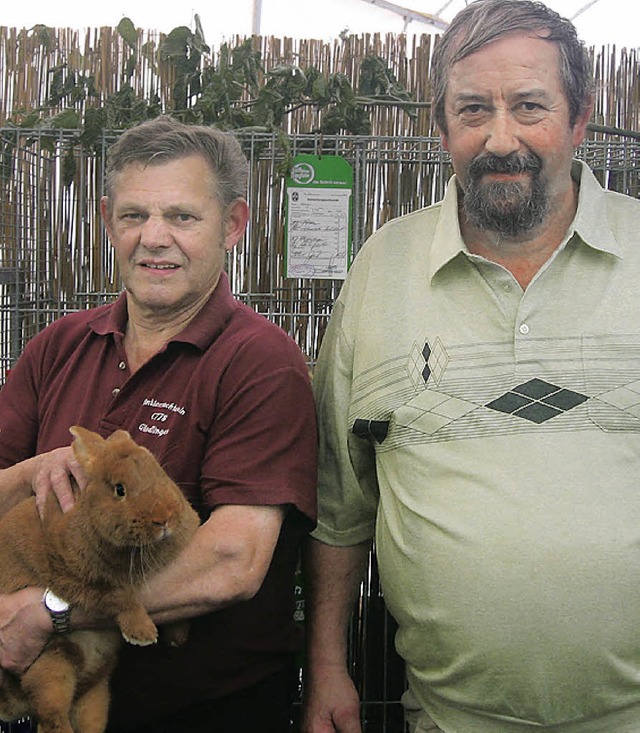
54 472
331 702
25 628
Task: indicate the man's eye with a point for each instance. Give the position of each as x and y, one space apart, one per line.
472 109
530 108
529 112
474 113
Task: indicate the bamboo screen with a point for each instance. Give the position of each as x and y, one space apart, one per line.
29 58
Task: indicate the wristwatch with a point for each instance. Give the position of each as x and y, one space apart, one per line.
59 610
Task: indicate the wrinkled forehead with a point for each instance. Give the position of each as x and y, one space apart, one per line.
516 61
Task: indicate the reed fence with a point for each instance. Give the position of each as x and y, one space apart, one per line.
30 58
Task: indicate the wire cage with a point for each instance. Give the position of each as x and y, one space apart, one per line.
54 259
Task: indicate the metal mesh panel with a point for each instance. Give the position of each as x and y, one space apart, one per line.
54 259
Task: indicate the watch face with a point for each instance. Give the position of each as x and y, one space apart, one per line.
55 604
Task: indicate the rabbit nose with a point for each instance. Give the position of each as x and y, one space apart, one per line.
162 527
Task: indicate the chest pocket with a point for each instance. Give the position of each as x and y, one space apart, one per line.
611 367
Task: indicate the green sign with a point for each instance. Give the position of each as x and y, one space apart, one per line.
318 217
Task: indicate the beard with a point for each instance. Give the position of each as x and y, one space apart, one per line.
511 208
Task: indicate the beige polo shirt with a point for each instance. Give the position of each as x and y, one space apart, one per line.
490 438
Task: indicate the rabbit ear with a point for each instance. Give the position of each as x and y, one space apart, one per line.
121 438
86 445
121 443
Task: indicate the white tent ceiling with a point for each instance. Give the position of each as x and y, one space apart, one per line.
597 21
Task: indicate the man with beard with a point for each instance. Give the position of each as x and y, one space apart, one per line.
490 444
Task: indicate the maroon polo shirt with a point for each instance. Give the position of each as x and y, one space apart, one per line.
227 409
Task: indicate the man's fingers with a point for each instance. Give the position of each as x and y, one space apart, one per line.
54 474
41 488
78 473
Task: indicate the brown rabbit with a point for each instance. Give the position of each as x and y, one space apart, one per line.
128 522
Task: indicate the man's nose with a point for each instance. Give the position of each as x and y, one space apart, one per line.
502 138
155 233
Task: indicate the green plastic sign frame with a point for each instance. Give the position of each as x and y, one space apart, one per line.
319 217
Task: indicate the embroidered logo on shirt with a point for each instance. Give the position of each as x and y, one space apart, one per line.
159 417
171 406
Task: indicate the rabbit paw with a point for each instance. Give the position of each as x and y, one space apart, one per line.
137 628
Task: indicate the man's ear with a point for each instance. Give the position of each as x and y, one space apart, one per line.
235 223
444 139
580 125
104 213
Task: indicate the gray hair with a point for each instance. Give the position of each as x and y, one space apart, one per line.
165 139
484 21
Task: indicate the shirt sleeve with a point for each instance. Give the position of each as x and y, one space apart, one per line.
19 410
262 449
347 485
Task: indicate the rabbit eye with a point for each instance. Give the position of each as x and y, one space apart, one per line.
119 490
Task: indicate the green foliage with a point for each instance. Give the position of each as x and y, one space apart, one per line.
377 81
344 111
45 36
68 167
128 32
7 149
236 93
68 86
184 49
223 88
95 122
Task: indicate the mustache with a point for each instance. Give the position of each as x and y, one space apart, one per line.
510 164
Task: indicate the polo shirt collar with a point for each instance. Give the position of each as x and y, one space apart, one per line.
202 331
447 240
591 222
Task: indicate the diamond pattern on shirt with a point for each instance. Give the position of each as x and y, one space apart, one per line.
537 401
428 362
416 366
624 398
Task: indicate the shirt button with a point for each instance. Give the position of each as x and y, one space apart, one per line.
122 365
115 392
524 329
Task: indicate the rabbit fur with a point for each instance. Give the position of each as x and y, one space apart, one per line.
129 522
